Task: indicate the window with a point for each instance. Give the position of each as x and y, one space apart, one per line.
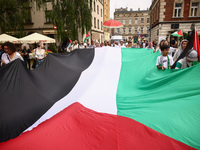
177 10
135 29
136 20
141 29
147 20
194 9
94 22
124 30
94 6
147 29
47 13
129 30
142 20
101 12
98 23
117 30
124 21
97 9
130 21
101 25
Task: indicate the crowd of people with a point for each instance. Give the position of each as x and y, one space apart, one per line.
121 43
9 53
169 52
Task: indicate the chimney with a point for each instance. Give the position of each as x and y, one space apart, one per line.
138 9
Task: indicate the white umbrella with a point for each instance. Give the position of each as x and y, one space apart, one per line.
36 37
5 37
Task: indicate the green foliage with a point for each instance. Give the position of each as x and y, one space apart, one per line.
185 35
52 47
13 14
71 16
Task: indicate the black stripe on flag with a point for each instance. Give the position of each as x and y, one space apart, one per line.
26 95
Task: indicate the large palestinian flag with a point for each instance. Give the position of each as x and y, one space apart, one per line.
103 98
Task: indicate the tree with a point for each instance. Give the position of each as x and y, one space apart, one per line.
13 15
71 16
185 35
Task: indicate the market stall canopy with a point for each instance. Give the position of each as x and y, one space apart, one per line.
112 24
36 37
5 37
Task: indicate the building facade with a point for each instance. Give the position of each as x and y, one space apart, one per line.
168 16
97 32
106 18
136 24
39 22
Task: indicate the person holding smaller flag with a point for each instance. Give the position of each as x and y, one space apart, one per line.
188 60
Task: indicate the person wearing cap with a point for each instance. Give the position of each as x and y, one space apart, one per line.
181 48
187 60
164 61
85 45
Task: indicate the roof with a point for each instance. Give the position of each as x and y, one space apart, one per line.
136 11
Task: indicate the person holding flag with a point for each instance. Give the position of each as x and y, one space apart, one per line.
68 48
188 60
75 45
192 44
87 37
182 47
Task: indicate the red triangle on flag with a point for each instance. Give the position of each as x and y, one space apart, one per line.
88 34
180 32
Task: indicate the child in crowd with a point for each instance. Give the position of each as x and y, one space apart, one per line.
164 61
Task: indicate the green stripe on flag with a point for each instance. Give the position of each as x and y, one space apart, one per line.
167 101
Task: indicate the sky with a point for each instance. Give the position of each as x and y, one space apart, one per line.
134 4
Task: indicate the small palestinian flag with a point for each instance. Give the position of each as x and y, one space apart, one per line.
132 38
178 33
69 46
87 37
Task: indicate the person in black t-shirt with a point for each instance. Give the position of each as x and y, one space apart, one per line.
25 54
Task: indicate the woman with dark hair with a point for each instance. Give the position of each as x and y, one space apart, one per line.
10 53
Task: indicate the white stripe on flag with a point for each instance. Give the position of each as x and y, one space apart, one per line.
96 88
